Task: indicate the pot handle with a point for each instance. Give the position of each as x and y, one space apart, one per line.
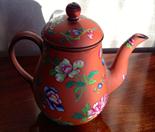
20 36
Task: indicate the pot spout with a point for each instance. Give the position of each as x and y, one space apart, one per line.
118 70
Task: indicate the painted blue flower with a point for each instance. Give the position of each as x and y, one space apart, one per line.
53 99
100 85
103 61
76 32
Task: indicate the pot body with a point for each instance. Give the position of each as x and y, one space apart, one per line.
69 87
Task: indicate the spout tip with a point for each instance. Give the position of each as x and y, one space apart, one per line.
142 36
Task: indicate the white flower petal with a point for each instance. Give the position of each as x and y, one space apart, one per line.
60 77
73 73
78 64
65 62
58 69
102 100
95 105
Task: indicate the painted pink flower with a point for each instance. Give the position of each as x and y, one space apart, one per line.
123 76
90 34
66 69
98 106
100 53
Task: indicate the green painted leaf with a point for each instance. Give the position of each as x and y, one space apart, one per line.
91 82
86 108
77 38
56 61
91 74
52 72
67 123
80 84
76 89
93 28
77 115
70 84
85 78
84 118
81 29
129 45
67 33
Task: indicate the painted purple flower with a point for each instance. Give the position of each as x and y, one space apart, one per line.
98 106
53 99
90 34
131 41
66 69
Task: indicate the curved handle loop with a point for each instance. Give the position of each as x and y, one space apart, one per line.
19 36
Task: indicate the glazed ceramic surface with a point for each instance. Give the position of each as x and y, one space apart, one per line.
71 83
70 87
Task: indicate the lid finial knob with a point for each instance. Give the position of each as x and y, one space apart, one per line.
73 11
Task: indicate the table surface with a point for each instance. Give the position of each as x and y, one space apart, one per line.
131 108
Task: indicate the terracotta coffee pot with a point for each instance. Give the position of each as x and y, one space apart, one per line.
71 83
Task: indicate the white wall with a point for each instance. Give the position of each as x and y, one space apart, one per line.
118 18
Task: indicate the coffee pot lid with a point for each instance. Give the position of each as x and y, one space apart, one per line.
72 31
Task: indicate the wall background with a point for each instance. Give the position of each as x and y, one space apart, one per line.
118 19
